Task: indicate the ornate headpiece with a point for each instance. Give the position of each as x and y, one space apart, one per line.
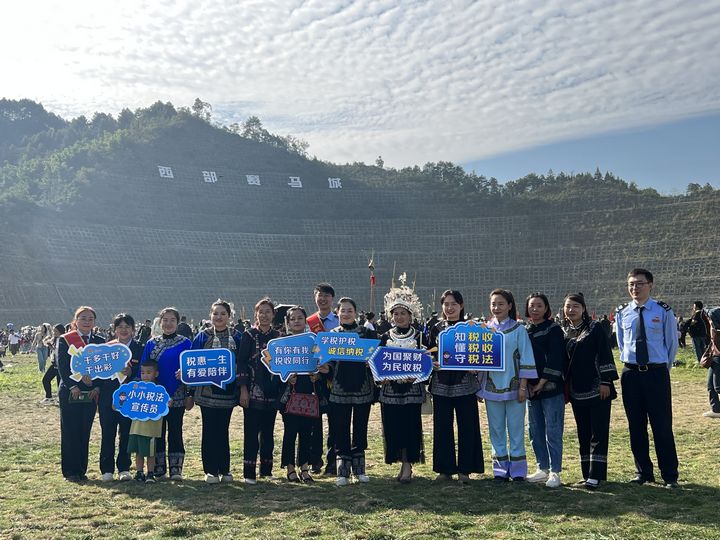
402 296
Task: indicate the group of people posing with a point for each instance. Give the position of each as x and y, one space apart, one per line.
547 365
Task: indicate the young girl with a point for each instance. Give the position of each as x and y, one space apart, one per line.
300 428
217 404
351 396
505 391
546 406
454 398
144 433
258 394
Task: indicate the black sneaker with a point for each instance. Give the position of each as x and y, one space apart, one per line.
140 476
150 478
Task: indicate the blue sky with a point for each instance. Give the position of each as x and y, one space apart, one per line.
497 81
667 156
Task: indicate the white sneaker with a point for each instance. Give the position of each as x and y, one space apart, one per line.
364 478
711 414
250 481
124 476
341 481
107 477
176 477
227 478
212 479
541 475
553 480
47 401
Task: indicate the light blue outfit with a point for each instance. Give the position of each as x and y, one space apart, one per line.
499 389
660 329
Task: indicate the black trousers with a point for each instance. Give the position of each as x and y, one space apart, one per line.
469 449
258 436
215 447
112 422
343 417
76 421
50 374
316 444
593 432
302 429
402 430
647 396
174 452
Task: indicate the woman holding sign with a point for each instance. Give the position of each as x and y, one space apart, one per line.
505 391
401 401
454 398
216 404
258 394
351 395
165 350
300 427
590 372
114 425
78 399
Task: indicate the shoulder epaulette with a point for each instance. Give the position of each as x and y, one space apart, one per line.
663 305
621 307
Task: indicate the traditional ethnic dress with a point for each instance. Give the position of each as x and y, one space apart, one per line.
166 350
506 415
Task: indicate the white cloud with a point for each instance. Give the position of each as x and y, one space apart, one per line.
413 81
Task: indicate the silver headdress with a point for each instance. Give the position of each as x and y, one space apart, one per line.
402 296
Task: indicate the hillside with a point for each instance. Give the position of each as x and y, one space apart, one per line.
160 206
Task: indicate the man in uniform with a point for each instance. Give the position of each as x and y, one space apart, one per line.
647 339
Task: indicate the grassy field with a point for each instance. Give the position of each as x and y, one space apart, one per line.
35 501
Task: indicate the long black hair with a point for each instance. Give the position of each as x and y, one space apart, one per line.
457 295
544 298
508 296
580 299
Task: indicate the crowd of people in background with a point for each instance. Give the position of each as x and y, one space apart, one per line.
556 358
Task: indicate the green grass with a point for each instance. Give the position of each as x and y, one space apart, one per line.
35 502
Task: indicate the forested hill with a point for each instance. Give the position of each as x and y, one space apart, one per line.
46 161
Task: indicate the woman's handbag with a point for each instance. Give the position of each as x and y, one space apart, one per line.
307 405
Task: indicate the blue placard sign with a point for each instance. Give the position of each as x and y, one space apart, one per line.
199 367
343 346
291 354
395 363
99 361
471 347
140 400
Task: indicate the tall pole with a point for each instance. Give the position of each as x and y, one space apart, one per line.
371 267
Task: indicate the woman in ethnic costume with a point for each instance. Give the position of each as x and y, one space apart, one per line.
590 371
299 428
401 401
454 399
258 394
505 391
351 396
217 404
165 350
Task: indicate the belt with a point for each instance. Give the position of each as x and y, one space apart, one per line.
646 367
